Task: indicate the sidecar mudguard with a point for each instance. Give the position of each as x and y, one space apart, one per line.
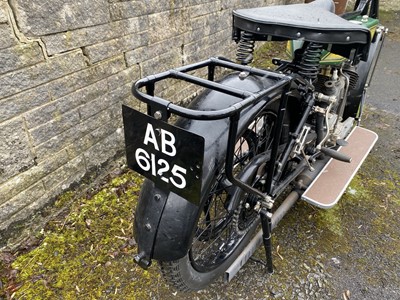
365 71
164 221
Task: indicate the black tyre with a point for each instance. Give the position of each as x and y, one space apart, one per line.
221 234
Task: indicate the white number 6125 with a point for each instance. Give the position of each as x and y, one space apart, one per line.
149 163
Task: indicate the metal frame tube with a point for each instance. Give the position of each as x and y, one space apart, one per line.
277 137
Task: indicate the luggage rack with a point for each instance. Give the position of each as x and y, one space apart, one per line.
162 109
167 108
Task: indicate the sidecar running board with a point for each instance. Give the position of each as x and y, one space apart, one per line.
330 184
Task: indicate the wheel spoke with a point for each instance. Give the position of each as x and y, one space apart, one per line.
219 232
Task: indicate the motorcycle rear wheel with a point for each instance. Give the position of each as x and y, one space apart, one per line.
220 235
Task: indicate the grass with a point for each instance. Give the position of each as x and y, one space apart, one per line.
86 255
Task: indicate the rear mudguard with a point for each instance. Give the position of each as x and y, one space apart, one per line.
164 221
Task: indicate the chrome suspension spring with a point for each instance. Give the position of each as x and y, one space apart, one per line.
309 64
245 48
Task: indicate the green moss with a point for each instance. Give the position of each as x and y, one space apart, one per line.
266 51
89 255
64 199
331 219
386 16
389 18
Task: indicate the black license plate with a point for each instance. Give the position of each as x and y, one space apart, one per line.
168 155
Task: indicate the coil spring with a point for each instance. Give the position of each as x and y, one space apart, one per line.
245 48
309 65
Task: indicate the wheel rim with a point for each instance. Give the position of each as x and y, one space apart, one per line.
219 232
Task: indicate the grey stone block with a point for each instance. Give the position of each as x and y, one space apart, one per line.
129 75
26 204
207 42
15 153
23 215
56 109
104 150
30 202
58 16
209 24
20 56
79 137
226 47
15 105
88 102
24 180
71 172
55 67
3 12
193 36
128 9
7 38
114 97
85 77
112 47
156 6
17 203
164 61
94 136
166 25
136 56
65 140
54 127
201 9
154 50
33 98
65 41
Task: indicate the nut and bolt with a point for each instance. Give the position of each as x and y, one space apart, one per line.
158 115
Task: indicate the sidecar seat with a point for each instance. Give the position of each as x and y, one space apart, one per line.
313 22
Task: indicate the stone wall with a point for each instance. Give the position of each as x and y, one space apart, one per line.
66 67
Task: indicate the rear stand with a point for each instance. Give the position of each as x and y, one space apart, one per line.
266 226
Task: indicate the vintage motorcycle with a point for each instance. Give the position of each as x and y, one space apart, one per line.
251 144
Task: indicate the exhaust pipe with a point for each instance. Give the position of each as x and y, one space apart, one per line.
257 240
303 180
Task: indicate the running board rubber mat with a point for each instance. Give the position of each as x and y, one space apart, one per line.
330 184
